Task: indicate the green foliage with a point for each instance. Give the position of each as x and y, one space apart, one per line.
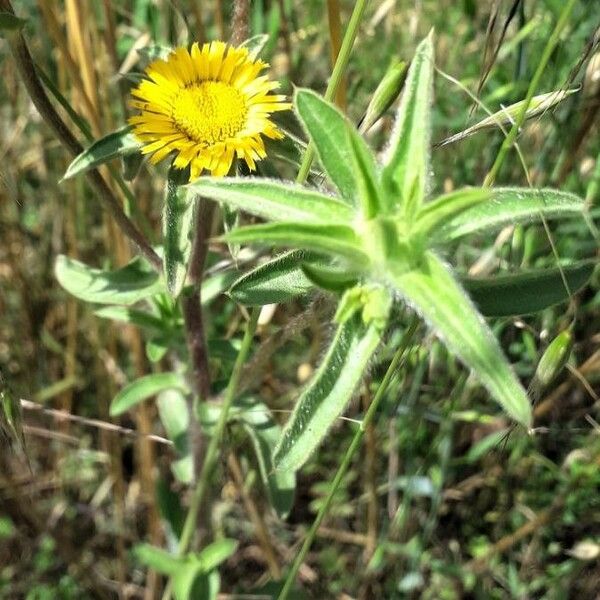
178 226
111 146
143 388
125 286
323 401
194 575
387 242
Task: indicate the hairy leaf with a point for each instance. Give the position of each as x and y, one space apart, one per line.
327 128
406 170
113 145
434 293
273 200
508 206
326 396
278 280
338 240
178 226
127 285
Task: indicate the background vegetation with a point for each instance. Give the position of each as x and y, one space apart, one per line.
442 503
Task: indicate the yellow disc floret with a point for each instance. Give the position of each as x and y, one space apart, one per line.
206 106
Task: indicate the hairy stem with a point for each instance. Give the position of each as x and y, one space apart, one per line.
345 464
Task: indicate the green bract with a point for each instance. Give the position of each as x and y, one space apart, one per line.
384 230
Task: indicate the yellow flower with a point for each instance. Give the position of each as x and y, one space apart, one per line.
206 105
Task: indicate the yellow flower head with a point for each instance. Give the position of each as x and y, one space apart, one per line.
207 105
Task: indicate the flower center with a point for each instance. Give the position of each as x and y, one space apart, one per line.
209 112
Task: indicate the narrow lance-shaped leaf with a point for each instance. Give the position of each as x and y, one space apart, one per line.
338 240
274 201
434 293
406 170
528 291
278 280
326 396
143 388
506 116
365 175
113 145
437 212
127 285
327 128
507 206
386 92
178 225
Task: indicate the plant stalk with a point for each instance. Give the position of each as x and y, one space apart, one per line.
336 78
345 464
212 451
509 140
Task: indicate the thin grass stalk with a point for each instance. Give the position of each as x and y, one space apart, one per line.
533 86
397 361
212 451
370 479
336 77
334 20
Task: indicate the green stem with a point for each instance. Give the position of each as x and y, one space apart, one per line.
212 452
345 464
533 85
336 78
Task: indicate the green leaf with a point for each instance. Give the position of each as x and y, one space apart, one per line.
437 212
406 171
142 319
113 145
191 583
216 553
174 415
127 285
329 278
274 201
157 559
327 128
434 293
143 388
508 206
528 291
278 280
328 393
365 175
265 433
178 227
386 92
171 510
10 22
338 240
255 44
